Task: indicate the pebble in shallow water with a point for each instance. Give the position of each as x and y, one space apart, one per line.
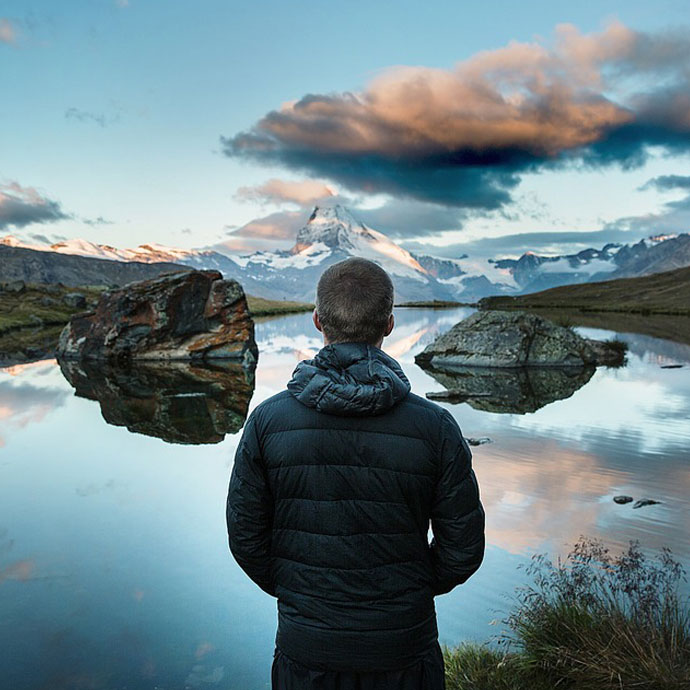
622 499
645 502
479 441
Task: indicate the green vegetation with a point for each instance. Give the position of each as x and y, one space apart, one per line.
39 304
32 316
660 293
591 622
258 306
435 304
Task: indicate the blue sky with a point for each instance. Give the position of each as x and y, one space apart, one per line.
113 113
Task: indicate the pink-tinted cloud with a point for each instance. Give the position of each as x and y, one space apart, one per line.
287 191
7 31
462 136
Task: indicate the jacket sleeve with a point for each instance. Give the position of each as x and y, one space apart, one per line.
249 511
457 515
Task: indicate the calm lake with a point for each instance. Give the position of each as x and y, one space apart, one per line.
114 566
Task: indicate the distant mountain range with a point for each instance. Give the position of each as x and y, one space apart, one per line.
332 234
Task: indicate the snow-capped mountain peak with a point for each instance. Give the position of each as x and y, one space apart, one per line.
334 228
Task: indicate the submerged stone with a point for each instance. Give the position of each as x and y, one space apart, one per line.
622 500
645 502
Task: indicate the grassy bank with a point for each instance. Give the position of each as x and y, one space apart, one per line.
593 621
259 306
31 318
435 304
40 305
660 293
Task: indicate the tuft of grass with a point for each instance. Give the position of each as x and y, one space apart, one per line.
592 621
618 345
479 667
565 321
596 621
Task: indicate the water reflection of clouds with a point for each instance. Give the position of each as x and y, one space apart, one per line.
539 494
28 393
619 402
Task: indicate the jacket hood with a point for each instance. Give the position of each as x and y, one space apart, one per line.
349 379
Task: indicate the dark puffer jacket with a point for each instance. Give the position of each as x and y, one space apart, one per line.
334 484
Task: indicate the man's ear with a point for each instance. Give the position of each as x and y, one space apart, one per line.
391 324
317 323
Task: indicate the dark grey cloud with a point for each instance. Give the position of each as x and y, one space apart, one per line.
463 137
20 206
668 182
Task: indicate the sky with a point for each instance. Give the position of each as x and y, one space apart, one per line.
454 127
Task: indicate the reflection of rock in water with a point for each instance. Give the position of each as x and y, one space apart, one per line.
517 391
176 401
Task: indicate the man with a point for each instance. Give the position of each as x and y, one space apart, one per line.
334 485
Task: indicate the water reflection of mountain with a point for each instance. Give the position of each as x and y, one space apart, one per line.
515 391
178 402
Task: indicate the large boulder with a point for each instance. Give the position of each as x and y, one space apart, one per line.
516 339
192 315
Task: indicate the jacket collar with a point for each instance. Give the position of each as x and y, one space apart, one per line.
349 379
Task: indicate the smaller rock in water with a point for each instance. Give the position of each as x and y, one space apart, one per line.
75 300
622 499
671 366
645 502
478 441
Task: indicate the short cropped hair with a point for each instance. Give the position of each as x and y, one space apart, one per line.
354 300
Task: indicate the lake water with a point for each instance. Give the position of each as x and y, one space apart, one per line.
114 567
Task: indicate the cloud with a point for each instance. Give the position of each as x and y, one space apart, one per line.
462 137
274 231
20 206
516 244
406 218
122 3
667 182
101 119
277 191
7 31
94 222
674 216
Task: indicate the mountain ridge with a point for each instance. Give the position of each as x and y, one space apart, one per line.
332 233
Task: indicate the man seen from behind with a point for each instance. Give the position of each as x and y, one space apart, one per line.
335 483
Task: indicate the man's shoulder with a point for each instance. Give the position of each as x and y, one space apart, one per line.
274 404
423 406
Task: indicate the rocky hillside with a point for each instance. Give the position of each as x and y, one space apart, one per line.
32 266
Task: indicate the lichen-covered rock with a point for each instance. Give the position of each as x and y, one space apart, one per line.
191 315
516 339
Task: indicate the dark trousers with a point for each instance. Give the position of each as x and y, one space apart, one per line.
427 674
